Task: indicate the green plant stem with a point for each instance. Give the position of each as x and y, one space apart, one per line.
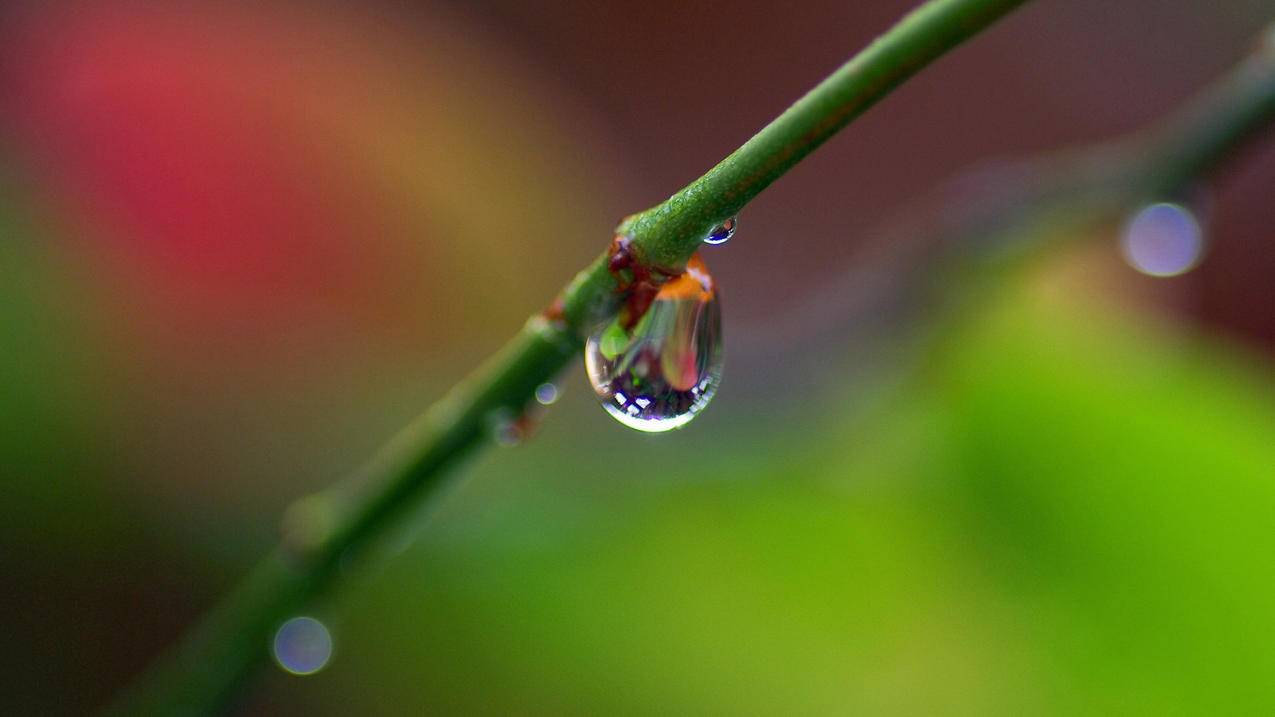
1220 119
944 255
668 233
326 531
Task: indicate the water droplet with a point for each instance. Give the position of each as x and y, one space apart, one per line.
505 427
722 232
546 394
302 646
658 375
1163 240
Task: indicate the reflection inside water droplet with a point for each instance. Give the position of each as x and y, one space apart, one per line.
302 646
661 373
1163 240
722 232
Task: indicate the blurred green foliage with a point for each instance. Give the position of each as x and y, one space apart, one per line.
1059 514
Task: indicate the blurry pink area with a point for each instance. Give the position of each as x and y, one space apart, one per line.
288 211
185 142
243 164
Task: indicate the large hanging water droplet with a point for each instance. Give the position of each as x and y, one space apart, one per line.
722 232
659 374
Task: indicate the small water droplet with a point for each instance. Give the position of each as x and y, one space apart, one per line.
1163 240
546 394
661 373
505 428
302 646
722 232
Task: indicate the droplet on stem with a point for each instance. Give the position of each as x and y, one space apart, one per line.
546 394
660 374
722 232
506 427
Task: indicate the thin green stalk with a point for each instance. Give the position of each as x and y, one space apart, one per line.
1215 123
324 532
668 233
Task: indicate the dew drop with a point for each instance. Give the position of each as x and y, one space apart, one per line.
505 428
722 232
547 394
302 646
661 373
1163 240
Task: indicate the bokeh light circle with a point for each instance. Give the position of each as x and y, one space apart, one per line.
1163 240
302 646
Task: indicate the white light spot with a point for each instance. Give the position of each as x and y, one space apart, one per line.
302 646
1162 240
642 402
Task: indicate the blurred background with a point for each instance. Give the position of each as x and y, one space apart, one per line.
241 244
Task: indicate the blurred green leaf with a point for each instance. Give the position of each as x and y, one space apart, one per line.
1061 514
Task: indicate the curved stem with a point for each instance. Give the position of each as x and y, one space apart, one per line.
323 532
671 231
1216 122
